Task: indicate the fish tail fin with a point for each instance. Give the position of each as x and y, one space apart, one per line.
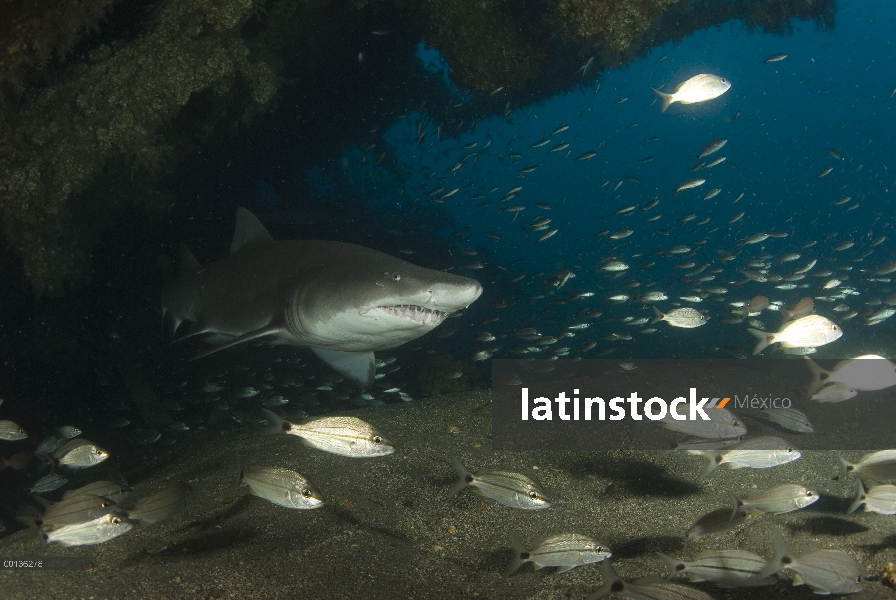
275 424
819 375
713 462
860 497
658 315
612 582
674 565
846 467
736 506
665 99
519 551
777 562
668 448
765 339
463 475
238 473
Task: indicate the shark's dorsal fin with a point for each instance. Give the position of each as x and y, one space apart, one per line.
249 230
188 262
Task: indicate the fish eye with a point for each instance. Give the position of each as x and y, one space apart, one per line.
115 521
789 449
809 493
307 493
735 423
396 276
533 495
377 439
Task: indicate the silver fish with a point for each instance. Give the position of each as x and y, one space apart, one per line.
652 297
79 453
99 530
564 550
874 466
11 432
698 88
716 521
77 509
712 147
108 489
760 452
68 432
167 503
698 444
280 486
866 372
345 436
510 489
825 571
686 317
833 393
49 445
778 500
48 483
789 418
806 332
879 498
723 424
726 568
645 588
689 184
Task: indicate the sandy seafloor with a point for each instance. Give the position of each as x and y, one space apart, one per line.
391 531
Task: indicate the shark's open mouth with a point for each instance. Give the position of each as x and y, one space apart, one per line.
424 316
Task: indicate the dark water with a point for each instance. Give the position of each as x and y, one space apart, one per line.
98 359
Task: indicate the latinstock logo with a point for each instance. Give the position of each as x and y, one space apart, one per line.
596 408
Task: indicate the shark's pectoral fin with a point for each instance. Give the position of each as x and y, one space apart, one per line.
195 329
358 367
188 263
246 337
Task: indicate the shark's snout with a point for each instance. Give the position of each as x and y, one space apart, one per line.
455 295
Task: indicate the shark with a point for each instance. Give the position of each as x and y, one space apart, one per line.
342 301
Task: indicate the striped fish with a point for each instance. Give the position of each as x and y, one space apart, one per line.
510 489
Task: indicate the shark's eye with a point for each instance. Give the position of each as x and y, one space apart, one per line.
396 276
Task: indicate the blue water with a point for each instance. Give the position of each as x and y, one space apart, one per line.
833 91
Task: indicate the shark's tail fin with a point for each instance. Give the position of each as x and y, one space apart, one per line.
171 321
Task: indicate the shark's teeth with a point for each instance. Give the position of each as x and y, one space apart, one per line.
420 314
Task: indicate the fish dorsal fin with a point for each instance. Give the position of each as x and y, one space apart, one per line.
249 230
188 262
